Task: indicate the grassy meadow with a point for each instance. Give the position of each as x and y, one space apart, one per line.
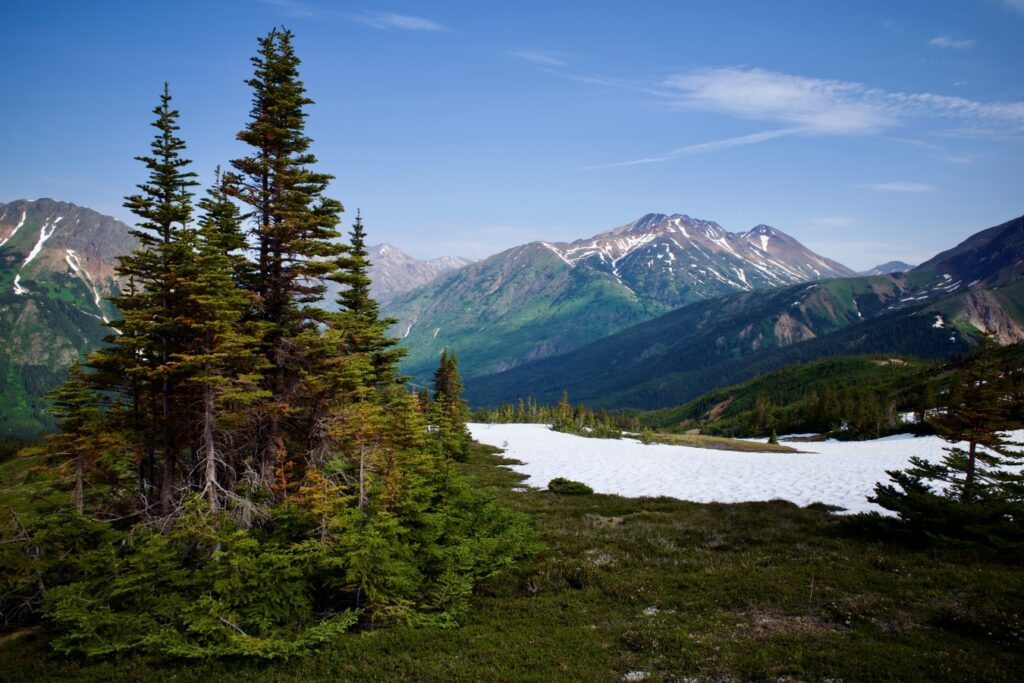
664 590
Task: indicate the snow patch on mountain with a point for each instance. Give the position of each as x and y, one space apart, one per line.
45 233
16 228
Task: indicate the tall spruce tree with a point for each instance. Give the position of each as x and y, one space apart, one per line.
359 318
152 325
220 360
292 228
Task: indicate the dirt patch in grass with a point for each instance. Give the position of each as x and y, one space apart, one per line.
764 624
718 409
602 521
721 443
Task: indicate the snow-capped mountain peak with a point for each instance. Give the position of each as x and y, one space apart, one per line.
694 254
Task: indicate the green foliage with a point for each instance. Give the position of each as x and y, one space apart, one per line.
448 411
568 487
979 494
847 397
248 475
563 417
752 591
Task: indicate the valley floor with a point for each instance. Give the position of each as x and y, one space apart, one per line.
658 589
839 473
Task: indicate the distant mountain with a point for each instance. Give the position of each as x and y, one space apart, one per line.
56 269
887 268
545 298
932 311
393 272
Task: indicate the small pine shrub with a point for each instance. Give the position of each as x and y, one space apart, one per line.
569 487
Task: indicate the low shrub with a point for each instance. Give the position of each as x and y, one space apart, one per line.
569 487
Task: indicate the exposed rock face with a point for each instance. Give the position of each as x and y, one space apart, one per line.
394 272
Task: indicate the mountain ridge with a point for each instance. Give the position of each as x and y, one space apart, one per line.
930 311
543 298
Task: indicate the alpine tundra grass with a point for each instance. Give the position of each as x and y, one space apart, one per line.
659 589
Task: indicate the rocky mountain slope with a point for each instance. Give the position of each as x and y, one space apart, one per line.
56 270
545 298
932 311
394 272
887 268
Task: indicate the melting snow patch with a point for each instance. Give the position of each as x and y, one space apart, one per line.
13 232
938 322
72 261
43 236
18 289
764 242
841 473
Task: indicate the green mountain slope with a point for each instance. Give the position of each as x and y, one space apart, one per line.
792 393
542 299
56 270
929 312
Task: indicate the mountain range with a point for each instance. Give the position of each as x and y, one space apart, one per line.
649 314
932 311
545 298
888 268
393 272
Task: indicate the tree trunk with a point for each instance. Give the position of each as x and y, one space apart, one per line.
170 457
362 477
79 485
972 456
210 451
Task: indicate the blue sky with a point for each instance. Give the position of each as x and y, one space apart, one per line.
868 130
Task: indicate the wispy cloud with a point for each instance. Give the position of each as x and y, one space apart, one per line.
827 107
296 9
951 43
702 147
892 25
542 57
404 22
811 104
906 186
806 106
1017 5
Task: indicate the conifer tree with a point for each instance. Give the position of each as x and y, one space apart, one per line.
292 226
151 325
221 357
449 410
980 490
365 330
74 405
257 554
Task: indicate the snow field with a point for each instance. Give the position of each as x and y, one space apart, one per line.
841 473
